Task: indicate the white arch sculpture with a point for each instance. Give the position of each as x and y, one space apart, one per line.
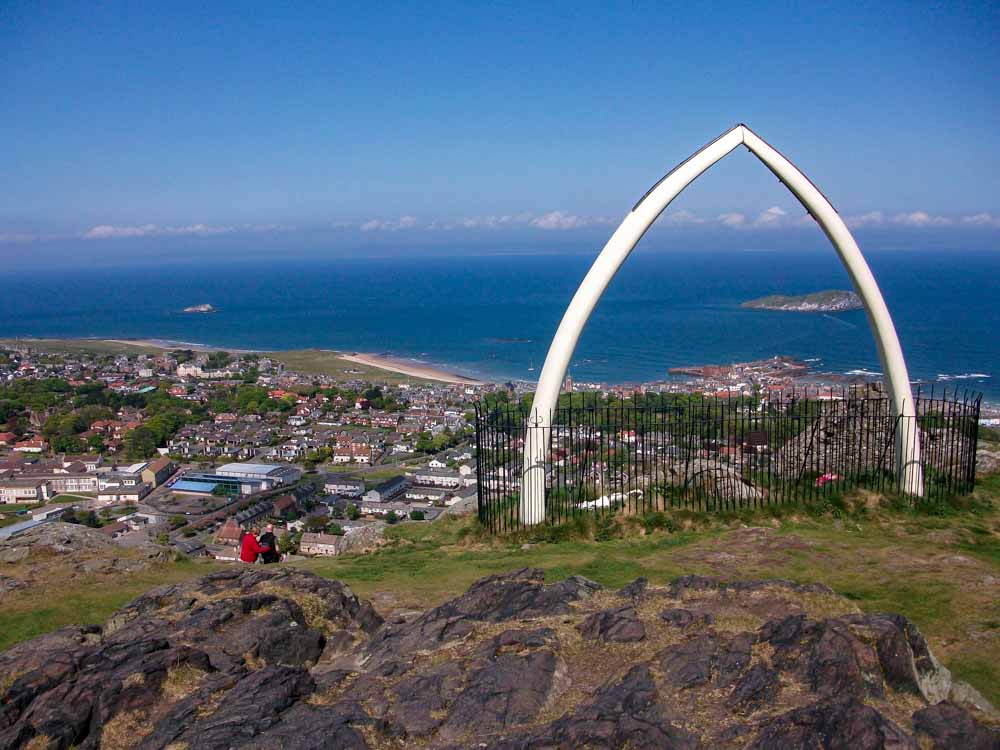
624 240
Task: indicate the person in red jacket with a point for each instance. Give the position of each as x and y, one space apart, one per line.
250 548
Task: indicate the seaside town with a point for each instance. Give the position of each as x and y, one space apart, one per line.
193 448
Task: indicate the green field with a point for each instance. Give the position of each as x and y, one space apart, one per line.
95 346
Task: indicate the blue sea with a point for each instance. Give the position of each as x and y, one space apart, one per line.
494 315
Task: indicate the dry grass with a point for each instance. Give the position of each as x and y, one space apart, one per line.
181 681
125 730
136 679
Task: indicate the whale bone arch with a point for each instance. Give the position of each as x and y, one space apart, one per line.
908 467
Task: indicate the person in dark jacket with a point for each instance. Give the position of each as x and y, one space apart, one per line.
250 548
268 541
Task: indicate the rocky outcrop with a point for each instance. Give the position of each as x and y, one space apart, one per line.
277 658
69 551
987 460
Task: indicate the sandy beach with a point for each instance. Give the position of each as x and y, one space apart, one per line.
404 367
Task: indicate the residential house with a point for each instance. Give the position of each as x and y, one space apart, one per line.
344 486
90 462
437 478
285 507
123 494
321 544
387 490
31 445
229 533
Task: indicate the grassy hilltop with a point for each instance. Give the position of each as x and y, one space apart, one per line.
938 568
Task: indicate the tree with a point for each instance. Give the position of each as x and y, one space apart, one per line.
140 443
337 512
177 521
287 545
416 515
353 512
391 517
163 538
67 444
82 517
218 360
315 523
336 529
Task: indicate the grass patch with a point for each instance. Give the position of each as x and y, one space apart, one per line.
53 605
930 565
75 346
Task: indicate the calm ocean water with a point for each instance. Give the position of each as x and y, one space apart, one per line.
495 315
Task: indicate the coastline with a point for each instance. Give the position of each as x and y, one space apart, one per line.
442 373
378 361
403 367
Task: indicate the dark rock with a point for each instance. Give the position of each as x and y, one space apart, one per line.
755 689
106 682
271 658
680 586
624 713
951 727
420 701
635 590
704 658
307 727
496 598
857 655
620 625
501 694
251 707
684 618
832 725
33 667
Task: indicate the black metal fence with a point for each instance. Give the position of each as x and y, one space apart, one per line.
663 451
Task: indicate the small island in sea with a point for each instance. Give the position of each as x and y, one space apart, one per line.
831 300
203 308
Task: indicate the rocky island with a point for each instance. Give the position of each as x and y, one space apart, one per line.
203 308
831 300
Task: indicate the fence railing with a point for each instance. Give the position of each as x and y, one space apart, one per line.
701 453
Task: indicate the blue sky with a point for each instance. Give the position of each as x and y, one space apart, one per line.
146 130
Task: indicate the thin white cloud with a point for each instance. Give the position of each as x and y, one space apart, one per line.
389 225
107 232
111 232
732 219
484 222
682 218
920 219
559 221
981 220
870 219
770 218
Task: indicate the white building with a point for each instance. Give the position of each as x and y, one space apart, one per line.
270 475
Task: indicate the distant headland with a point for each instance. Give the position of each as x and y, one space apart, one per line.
831 300
203 308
